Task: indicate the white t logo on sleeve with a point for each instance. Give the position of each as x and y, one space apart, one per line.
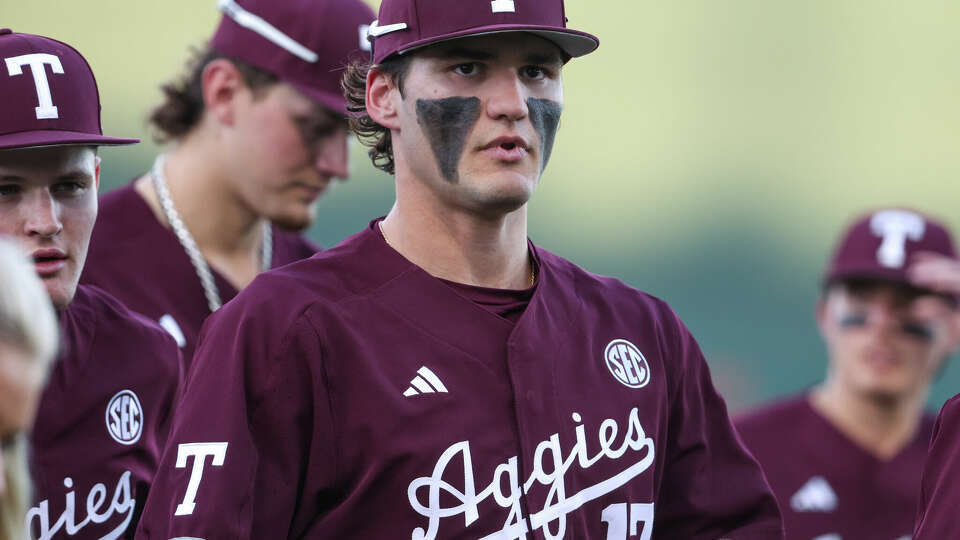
896 227
37 62
199 452
503 6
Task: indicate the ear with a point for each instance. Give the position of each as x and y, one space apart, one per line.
222 86
96 174
383 99
822 315
954 329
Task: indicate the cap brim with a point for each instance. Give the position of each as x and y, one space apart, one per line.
335 102
27 139
572 42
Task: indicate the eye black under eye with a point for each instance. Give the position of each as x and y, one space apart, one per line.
854 320
918 330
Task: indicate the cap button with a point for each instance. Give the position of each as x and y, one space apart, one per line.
5 31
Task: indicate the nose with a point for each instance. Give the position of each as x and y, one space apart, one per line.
42 215
332 156
508 98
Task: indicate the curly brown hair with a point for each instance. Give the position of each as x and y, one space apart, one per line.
369 131
182 105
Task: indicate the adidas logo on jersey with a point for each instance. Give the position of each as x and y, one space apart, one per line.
426 382
815 496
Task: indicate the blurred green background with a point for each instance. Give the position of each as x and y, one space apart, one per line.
709 151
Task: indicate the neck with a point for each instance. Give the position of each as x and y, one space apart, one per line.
460 246
881 426
227 231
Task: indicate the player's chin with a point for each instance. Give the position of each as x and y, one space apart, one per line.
61 291
295 219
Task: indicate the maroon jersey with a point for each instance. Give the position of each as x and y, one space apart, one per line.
140 262
353 395
828 487
939 492
102 422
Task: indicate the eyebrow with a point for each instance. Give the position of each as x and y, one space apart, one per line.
472 54
543 59
74 175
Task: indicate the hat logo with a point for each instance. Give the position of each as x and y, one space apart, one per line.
38 62
896 227
503 6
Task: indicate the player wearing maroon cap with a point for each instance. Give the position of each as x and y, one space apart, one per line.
104 415
437 375
845 458
259 131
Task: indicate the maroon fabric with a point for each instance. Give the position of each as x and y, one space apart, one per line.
940 492
333 29
73 94
506 303
430 21
313 385
828 485
139 261
87 447
881 245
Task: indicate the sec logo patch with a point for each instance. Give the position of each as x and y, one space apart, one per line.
627 364
125 417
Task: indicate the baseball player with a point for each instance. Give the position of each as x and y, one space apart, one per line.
937 516
104 415
437 375
844 458
258 132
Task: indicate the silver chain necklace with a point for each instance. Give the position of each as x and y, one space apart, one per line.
190 245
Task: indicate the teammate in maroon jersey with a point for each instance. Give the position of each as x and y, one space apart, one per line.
258 132
844 459
104 415
939 494
437 375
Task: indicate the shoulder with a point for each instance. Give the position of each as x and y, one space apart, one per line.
291 246
600 290
321 283
774 418
118 327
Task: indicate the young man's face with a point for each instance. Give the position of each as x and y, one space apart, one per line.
48 203
885 341
285 150
478 117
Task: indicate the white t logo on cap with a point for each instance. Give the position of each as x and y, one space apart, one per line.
37 63
503 6
896 226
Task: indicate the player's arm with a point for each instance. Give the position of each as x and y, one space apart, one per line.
712 487
937 516
234 463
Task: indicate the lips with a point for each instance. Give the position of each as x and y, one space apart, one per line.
509 148
48 262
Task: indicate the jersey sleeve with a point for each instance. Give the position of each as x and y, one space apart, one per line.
939 492
712 487
243 433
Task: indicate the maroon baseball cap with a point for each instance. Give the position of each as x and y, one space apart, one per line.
404 25
881 245
49 95
306 43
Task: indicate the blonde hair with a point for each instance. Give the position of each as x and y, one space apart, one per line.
28 323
